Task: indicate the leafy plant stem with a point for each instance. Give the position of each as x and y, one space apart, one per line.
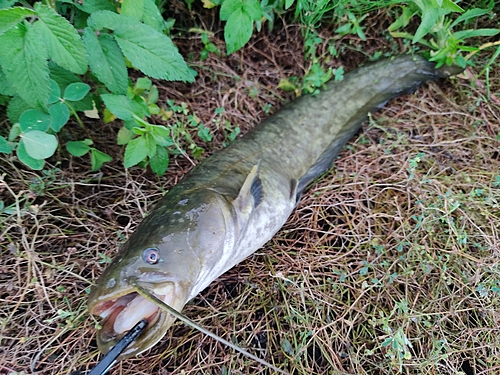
74 113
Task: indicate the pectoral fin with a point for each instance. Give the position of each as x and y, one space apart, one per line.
295 194
251 193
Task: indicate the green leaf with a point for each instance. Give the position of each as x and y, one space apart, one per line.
403 20
106 61
6 87
11 17
98 158
77 148
14 132
470 13
288 3
253 8
429 18
135 152
152 53
123 107
63 42
92 6
34 119
143 83
228 7
76 91
60 116
15 109
159 162
23 57
22 155
152 16
133 8
124 136
39 145
150 145
451 6
5 146
464 34
62 76
55 92
110 20
162 135
238 31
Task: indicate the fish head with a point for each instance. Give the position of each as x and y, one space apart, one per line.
166 255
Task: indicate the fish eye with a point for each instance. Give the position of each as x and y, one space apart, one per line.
151 255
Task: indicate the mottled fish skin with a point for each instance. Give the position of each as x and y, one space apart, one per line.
235 201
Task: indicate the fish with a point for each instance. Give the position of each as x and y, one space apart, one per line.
236 200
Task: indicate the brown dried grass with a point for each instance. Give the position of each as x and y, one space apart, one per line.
374 251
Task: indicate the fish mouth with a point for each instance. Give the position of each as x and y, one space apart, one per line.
121 313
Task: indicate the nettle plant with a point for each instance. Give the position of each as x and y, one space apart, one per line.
47 61
44 58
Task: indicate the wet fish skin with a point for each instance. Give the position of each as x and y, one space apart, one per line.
235 201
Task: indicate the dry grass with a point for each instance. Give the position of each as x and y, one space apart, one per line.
389 264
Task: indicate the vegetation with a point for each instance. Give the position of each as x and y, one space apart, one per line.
389 265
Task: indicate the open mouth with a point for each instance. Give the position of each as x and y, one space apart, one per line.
121 314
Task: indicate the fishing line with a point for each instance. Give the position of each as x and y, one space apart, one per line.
158 302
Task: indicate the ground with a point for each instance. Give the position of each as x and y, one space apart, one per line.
389 264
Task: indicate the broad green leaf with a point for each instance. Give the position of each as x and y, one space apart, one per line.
122 107
471 13
62 76
34 119
76 91
6 87
153 96
23 57
133 8
159 162
14 132
15 109
63 42
464 34
39 145
152 52
60 116
152 16
98 158
22 155
135 152
5 146
288 3
106 61
238 31
253 8
228 7
92 6
110 20
11 17
150 145
124 136
143 83
55 92
77 148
